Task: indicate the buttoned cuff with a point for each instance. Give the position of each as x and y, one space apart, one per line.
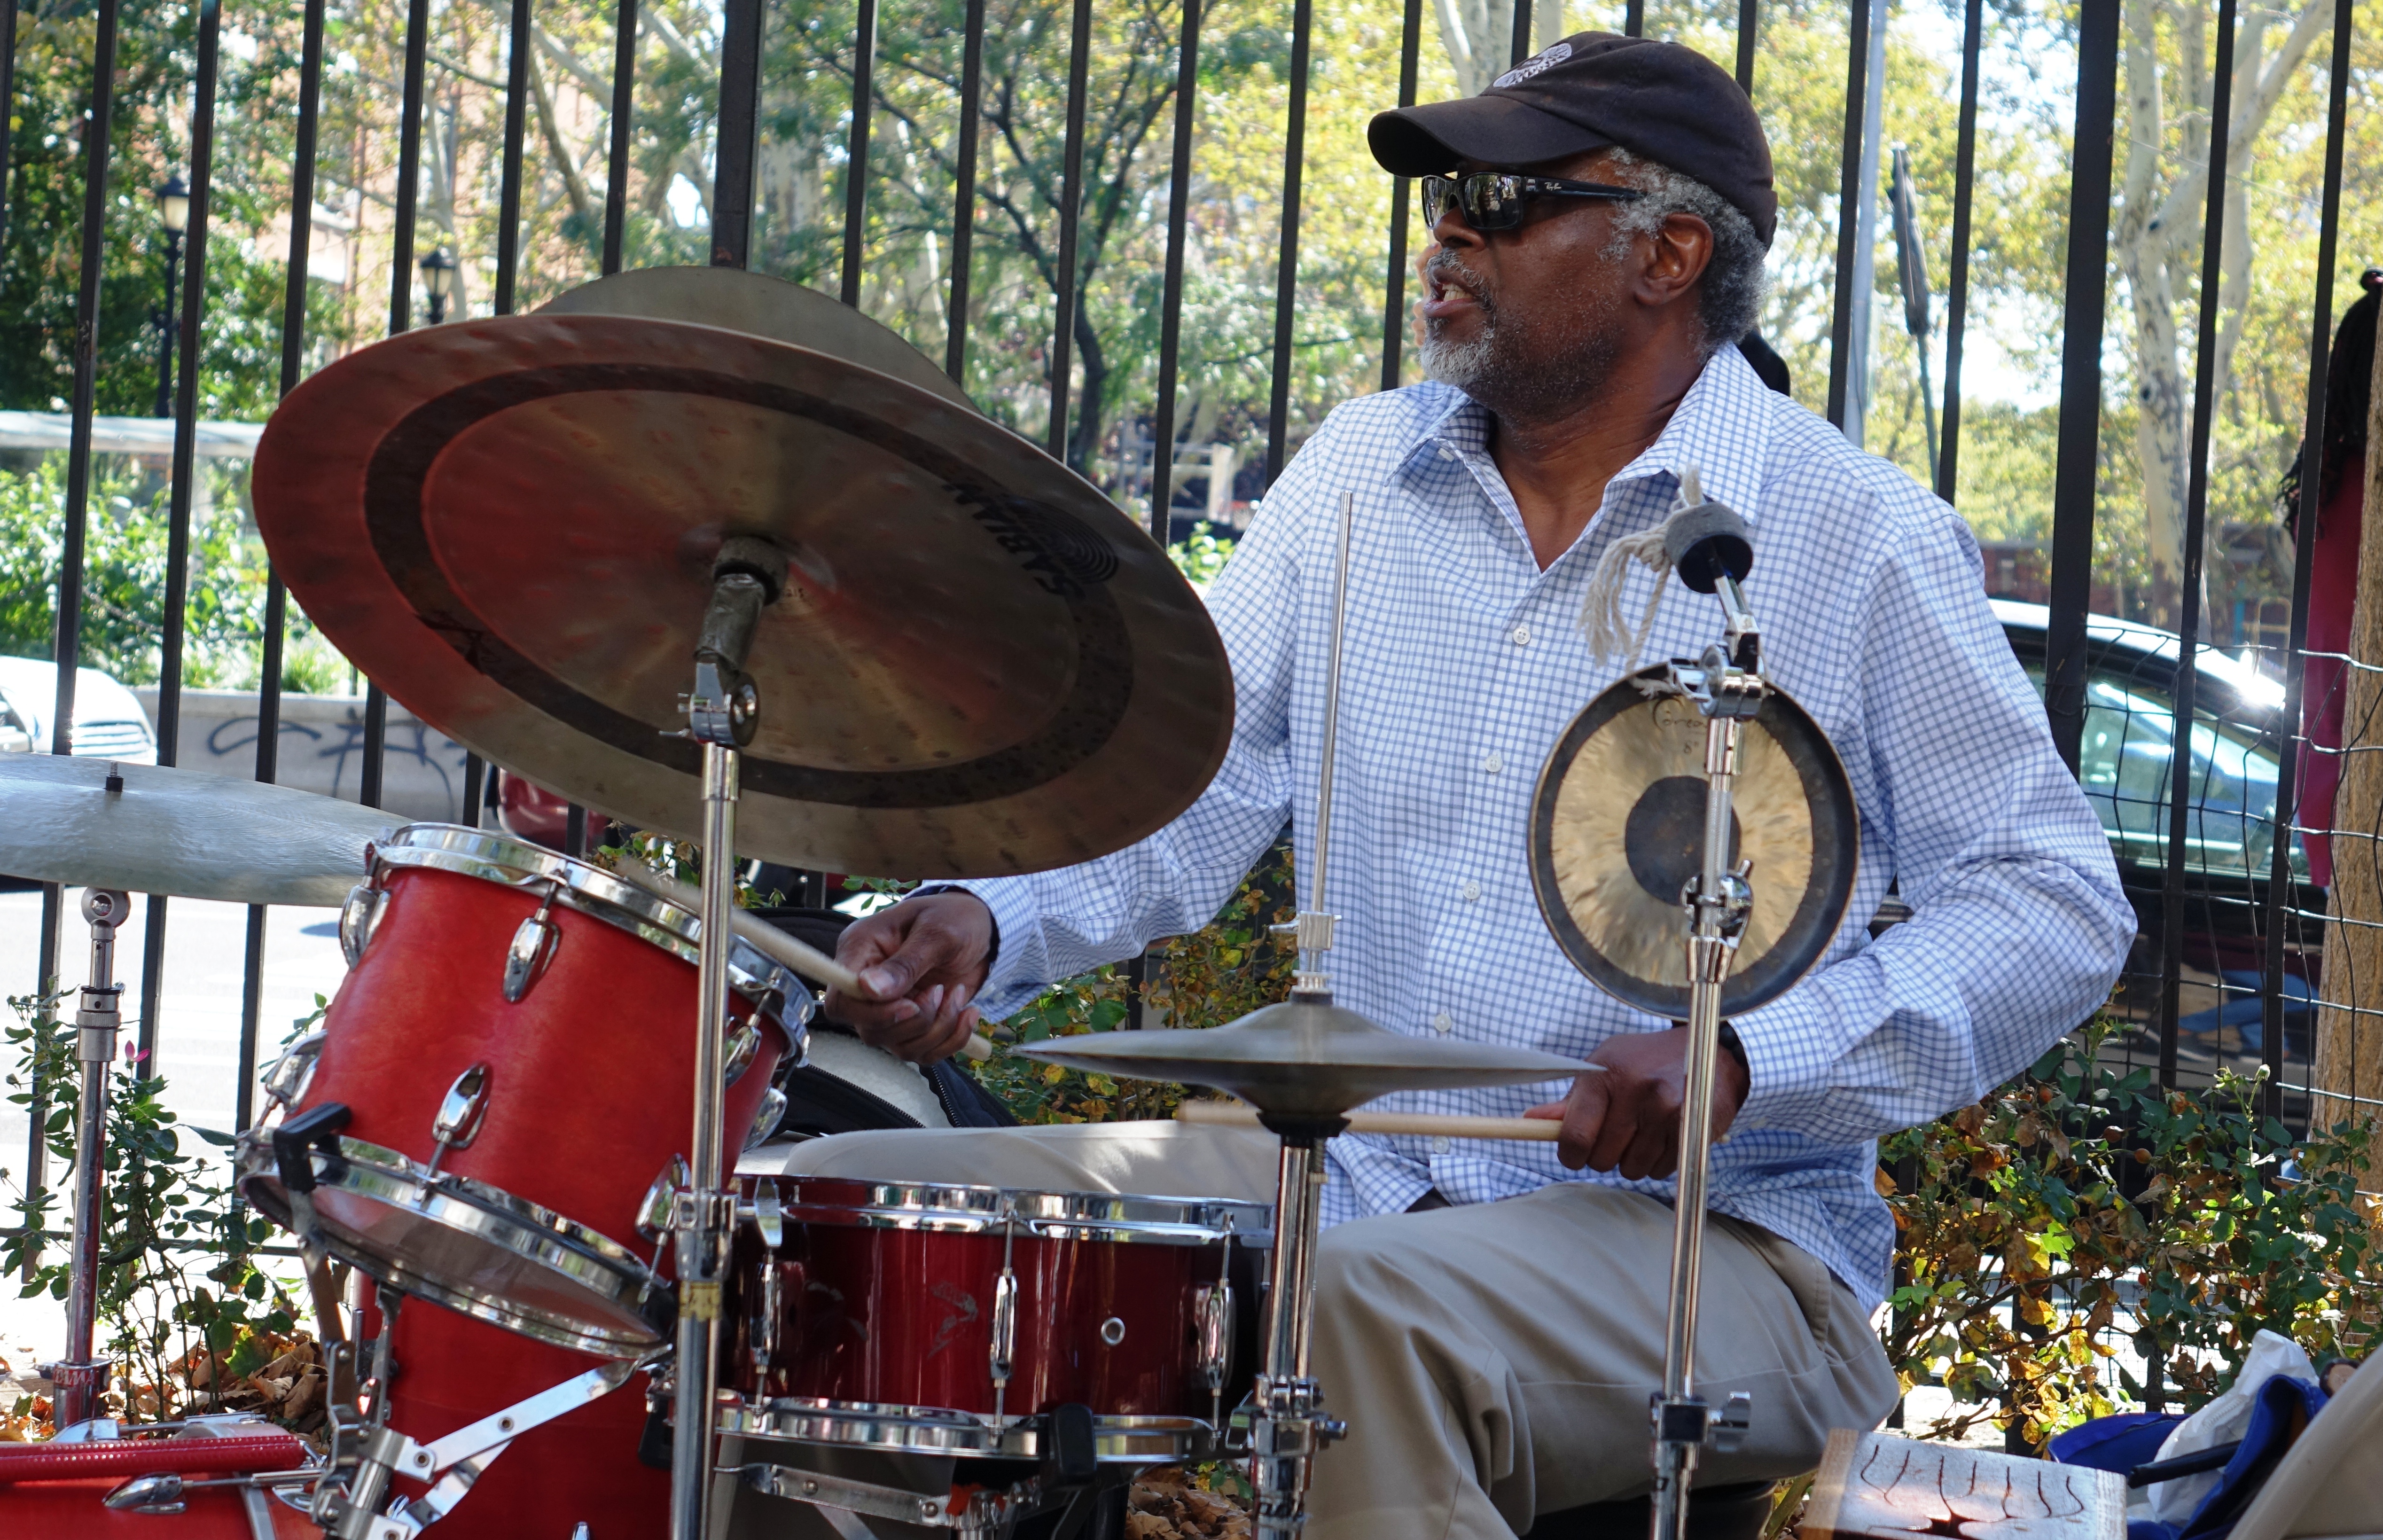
1777 1043
1011 901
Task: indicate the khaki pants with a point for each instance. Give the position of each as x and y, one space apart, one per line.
1493 1360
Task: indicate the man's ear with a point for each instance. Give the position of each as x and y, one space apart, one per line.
1676 257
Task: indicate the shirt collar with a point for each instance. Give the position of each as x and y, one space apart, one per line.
1723 425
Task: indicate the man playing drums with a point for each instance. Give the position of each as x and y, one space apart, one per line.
1489 1315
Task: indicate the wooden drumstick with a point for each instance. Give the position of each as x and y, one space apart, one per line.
1239 1114
770 942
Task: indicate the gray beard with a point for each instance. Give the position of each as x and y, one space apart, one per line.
1523 371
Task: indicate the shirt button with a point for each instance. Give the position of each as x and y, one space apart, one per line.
1446 453
1521 635
1493 761
1439 1146
1443 1022
1472 892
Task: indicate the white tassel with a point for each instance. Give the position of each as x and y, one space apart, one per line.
1602 623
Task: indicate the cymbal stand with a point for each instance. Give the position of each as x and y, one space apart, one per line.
721 712
82 1376
1287 1427
1712 555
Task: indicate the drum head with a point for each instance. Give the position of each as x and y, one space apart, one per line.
1617 830
473 1248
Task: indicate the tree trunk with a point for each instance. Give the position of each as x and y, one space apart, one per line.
2349 1046
1094 362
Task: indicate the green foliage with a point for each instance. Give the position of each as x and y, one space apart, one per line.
180 1276
1201 557
2023 1217
1212 976
125 566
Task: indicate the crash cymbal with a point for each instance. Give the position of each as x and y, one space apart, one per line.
980 666
1303 1058
741 299
1617 830
179 833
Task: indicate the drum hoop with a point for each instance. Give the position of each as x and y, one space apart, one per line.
943 1429
593 892
957 1208
537 1234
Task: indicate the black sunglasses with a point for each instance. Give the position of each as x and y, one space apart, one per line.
1494 200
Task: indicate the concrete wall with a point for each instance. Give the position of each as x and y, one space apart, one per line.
322 748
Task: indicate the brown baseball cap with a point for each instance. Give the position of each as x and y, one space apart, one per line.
1662 102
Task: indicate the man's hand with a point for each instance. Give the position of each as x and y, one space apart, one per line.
920 963
1627 1118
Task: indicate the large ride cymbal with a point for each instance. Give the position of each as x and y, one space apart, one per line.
980 667
179 833
1617 830
1302 1058
741 299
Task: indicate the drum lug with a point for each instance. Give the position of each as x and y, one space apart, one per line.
1004 1324
359 917
460 1115
286 1080
1213 1316
766 1213
774 1107
660 1201
532 950
743 1044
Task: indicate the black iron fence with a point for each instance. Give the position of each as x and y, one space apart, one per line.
2193 759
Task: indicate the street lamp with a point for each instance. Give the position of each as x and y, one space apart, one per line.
439 280
174 212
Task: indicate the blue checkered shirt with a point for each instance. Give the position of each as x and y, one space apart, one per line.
1463 662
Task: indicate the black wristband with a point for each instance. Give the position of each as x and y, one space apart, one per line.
993 952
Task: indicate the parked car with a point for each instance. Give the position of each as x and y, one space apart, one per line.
108 720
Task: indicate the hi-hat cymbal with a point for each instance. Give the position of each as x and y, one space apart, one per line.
1302 1058
980 665
759 305
179 833
1617 830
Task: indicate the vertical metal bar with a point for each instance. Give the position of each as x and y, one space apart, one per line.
1633 18
1170 297
1841 312
1956 304
1522 41
7 100
277 596
509 184
956 308
2279 870
400 318
1749 20
37 1098
2080 374
2196 512
1072 206
739 145
181 488
616 160
1286 283
1394 283
856 159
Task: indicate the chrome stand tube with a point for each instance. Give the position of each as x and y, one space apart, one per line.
1289 1427
704 1222
83 1375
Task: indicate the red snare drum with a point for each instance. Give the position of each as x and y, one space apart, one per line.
515 1048
946 1320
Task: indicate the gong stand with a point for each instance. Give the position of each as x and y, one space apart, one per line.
721 712
1727 689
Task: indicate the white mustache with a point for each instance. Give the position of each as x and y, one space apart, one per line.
1444 272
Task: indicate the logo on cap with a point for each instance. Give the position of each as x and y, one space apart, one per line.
1539 62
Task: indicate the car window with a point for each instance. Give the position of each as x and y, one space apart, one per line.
2124 766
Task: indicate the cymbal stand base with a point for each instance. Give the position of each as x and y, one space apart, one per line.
1717 901
1284 1418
